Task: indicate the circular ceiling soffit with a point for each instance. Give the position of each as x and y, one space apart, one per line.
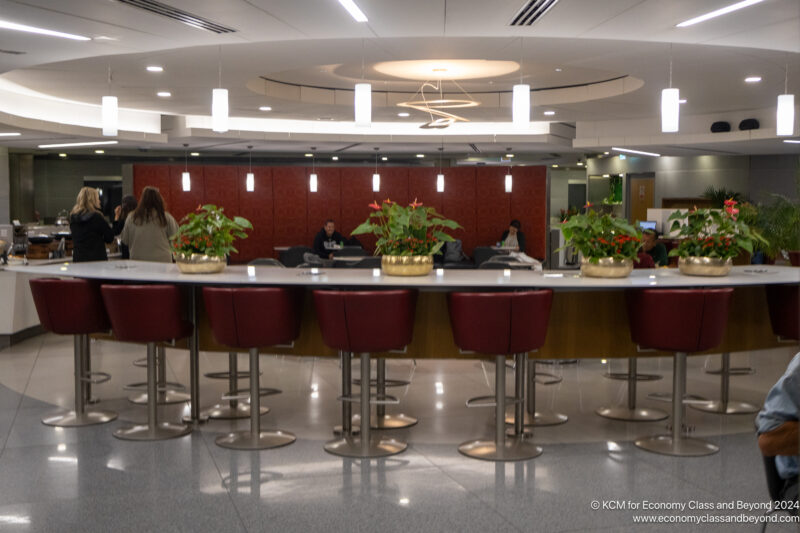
446 69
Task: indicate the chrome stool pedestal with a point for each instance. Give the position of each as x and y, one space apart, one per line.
626 376
631 413
234 409
167 393
530 416
81 416
725 406
381 419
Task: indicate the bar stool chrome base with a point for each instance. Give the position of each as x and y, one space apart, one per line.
726 408
167 397
546 378
639 377
354 430
539 418
87 418
735 371
397 421
243 440
681 447
160 431
224 411
517 449
378 446
638 414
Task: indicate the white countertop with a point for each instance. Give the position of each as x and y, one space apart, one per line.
438 279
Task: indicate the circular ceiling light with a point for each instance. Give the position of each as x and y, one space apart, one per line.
403 114
752 79
446 69
265 108
155 68
163 94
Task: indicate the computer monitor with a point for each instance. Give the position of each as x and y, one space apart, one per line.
647 224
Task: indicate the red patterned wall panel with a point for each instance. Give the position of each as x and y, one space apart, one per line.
394 184
422 186
257 207
153 175
222 187
325 203
290 190
459 204
183 202
493 206
529 205
356 196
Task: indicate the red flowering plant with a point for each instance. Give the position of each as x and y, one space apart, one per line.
411 230
208 231
597 236
713 232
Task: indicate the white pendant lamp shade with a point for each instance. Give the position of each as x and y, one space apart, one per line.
440 183
186 181
110 116
312 183
509 181
521 106
376 182
785 116
670 110
219 110
250 182
363 104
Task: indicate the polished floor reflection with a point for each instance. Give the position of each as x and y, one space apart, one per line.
83 479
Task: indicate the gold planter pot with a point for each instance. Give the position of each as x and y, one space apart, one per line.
406 265
199 263
704 266
606 267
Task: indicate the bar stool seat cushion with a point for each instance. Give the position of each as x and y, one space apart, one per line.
250 317
678 320
500 322
69 306
784 310
146 313
366 321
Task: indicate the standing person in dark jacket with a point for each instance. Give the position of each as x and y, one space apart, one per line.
327 240
121 213
513 237
90 231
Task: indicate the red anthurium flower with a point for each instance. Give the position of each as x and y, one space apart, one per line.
415 203
730 202
588 205
374 205
387 201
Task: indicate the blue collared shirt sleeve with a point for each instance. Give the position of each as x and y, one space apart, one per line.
783 400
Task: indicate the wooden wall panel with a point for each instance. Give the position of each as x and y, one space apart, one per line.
422 186
529 205
325 203
184 202
459 204
257 207
155 176
290 190
492 206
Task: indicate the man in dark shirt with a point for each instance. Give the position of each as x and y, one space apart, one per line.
653 248
327 240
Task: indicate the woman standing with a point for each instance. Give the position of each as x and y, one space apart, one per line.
149 228
121 213
90 231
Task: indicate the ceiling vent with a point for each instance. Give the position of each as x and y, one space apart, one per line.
11 52
531 12
164 10
475 148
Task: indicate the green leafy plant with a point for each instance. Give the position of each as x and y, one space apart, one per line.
779 223
719 196
412 230
208 231
713 233
597 236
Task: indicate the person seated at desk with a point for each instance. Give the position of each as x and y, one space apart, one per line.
653 248
777 427
513 238
327 240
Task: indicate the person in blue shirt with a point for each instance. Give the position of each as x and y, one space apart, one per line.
777 427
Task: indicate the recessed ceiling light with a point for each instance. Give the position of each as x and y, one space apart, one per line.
606 153
309 155
163 94
62 155
555 166
195 154
719 12
629 151
580 163
384 158
41 31
265 108
752 79
606 175
155 68
10 134
354 10
549 113
509 156
682 101
65 145
558 70
99 151
420 155
404 114
335 158
105 38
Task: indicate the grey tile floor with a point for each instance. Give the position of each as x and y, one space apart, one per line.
54 479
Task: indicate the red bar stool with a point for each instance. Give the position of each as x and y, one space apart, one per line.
250 317
683 321
501 324
364 322
783 302
74 307
150 314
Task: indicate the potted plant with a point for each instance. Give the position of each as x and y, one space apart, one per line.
779 223
608 245
408 237
711 238
205 239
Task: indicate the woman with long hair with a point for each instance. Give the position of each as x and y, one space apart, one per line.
121 212
149 228
90 231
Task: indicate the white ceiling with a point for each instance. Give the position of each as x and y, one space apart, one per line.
298 41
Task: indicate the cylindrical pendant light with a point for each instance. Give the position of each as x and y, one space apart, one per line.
219 110
376 178
363 104
312 178
440 175
110 112
250 178
670 110
509 181
785 113
186 179
521 105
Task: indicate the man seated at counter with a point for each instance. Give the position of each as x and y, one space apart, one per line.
513 238
653 248
327 240
777 427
